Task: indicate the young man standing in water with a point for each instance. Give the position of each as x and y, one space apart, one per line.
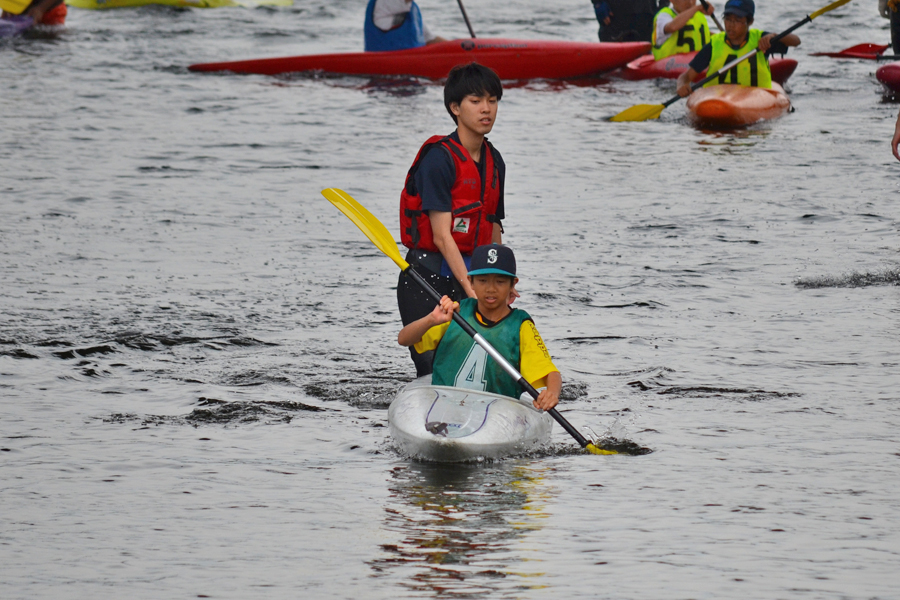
453 198
737 40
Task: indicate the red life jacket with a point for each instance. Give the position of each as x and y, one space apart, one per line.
474 202
56 15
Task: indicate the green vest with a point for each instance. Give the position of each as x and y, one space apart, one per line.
690 38
460 362
753 72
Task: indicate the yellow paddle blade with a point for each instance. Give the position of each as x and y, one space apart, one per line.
366 221
14 6
641 112
831 6
595 450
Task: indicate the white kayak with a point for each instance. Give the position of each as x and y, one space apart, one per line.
448 424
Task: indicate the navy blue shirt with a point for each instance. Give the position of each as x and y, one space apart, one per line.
701 62
437 174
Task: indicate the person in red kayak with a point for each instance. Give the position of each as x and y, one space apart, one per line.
737 40
396 25
459 361
452 200
680 29
43 12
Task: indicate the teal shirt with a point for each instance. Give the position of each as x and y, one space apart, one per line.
460 362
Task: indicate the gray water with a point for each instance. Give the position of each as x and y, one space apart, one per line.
197 350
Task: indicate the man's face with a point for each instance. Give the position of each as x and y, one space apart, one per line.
476 113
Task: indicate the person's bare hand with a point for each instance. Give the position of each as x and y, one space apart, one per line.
546 400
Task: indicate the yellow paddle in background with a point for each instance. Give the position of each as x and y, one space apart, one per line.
15 7
384 241
645 112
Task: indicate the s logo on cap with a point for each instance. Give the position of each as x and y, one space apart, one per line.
492 256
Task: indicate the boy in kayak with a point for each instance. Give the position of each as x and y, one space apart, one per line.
42 12
459 361
737 40
396 25
680 29
453 197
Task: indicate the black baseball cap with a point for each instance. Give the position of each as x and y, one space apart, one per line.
493 258
740 8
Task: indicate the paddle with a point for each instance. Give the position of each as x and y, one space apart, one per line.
864 51
466 18
384 241
645 112
15 7
705 6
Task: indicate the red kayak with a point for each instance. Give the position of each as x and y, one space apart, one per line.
511 59
729 105
646 67
889 76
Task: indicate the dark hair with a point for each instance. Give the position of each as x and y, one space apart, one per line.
470 80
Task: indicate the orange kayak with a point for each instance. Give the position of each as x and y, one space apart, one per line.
730 105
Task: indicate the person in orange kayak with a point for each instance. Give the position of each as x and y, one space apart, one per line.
737 40
680 28
42 12
452 200
396 25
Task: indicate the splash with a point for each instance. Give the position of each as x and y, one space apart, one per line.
851 280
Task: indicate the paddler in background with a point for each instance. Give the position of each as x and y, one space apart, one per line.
452 200
737 40
43 12
681 28
895 142
626 20
460 362
890 9
396 25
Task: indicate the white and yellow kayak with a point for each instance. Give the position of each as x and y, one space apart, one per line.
448 424
103 4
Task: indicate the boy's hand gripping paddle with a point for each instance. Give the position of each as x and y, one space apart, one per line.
645 112
706 7
384 241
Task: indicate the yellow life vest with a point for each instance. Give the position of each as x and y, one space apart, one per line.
15 7
752 72
690 38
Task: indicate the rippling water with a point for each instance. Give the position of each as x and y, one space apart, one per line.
197 351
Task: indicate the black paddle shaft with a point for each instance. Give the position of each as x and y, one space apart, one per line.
466 18
708 78
706 7
457 318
